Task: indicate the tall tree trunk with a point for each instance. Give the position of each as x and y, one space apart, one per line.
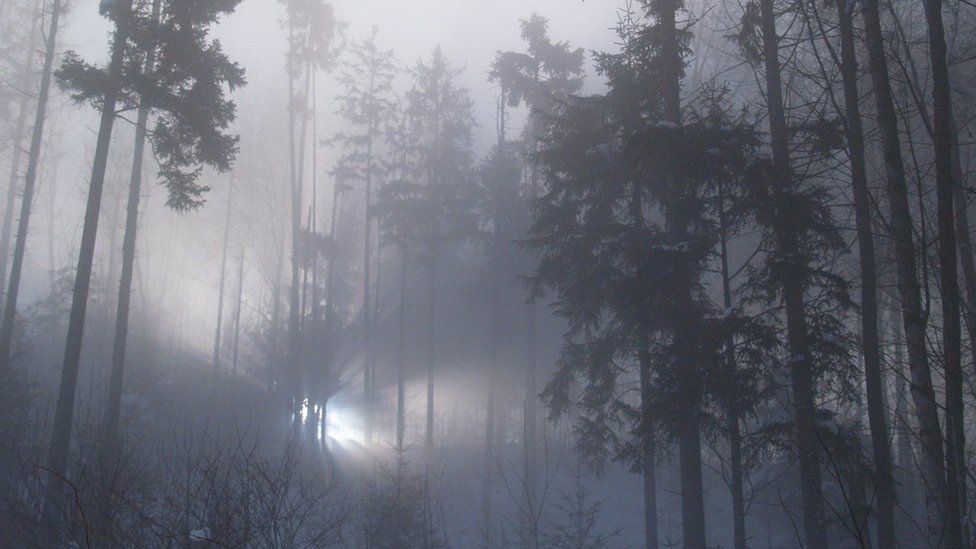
401 354
530 427
64 411
648 447
965 247
33 160
20 128
734 416
296 180
110 424
237 313
488 482
222 287
531 397
648 444
804 398
930 433
949 278
274 382
880 441
689 423
367 259
431 315
330 270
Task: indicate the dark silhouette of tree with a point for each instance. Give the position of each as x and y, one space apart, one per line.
932 460
312 45
612 163
111 89
164 65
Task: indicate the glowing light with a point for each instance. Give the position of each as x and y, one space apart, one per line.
343 426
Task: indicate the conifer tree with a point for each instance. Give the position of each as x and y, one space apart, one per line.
440 112
109 94
164 65
610 162
367 107
312 32
539 78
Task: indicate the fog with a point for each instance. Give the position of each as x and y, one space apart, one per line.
542 274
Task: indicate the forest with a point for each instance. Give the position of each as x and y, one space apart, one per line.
545 274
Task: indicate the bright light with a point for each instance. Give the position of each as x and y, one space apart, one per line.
343 425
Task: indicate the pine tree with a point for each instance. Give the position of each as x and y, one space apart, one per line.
367 107
111 89
441 114
312 45
539 78
611 163
164 65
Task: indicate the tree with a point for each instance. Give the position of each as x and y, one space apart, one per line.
30 180
612 162
366 106
312 30
869 276
539 78
215 360
909 292
945 149
578 527
182 83
121 14
440 112
24 70
163 64
399 209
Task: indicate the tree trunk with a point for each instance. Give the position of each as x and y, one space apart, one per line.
367 332
874 383
15 158
930 433
110 425
221 289
949 278
401 354
431 314
804 397
531 425
965 247
64 411
33 159
734 416
294 313
689 423
237 314
648 450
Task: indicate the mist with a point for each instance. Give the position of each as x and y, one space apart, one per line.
539 274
